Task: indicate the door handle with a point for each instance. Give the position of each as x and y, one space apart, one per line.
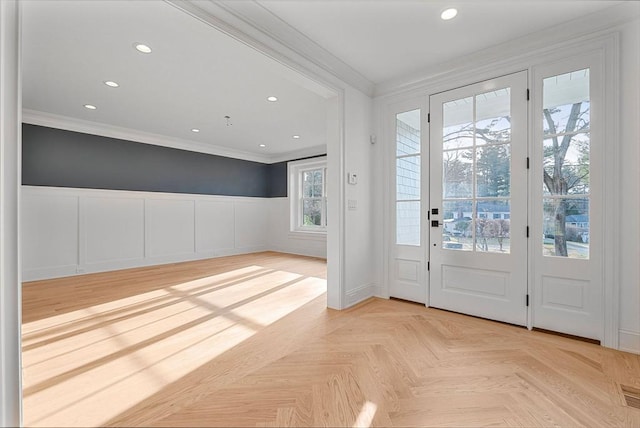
436 223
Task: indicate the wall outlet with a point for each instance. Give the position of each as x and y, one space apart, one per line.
352 204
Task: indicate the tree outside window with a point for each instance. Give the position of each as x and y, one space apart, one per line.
308 195
313 198
566 126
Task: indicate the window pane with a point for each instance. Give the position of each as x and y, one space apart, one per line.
408 178
493 170
307 184
566 122
457 131
312 186
566 165
566 103
457 172
309 199
312 212
566 228
492 226
408 133
408 223
493 117
457 228
567 118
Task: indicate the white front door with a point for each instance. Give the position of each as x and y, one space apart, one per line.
407 264
478 199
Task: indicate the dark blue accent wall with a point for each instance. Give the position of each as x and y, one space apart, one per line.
59 158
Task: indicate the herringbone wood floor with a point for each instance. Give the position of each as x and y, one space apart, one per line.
247 341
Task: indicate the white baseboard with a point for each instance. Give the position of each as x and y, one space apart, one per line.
359 294
629 341
381 292
49 272
72 270
304 252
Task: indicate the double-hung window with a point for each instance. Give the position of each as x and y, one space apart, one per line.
308 195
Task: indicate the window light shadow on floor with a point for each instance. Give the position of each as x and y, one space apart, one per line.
88 366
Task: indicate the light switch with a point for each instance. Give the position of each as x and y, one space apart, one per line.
352 178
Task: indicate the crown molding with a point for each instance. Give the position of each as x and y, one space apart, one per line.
50 120
299 154
257 27
521 47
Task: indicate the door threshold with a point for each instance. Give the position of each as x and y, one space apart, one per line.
478 317
568 336
399 299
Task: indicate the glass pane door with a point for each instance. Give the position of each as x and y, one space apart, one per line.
478 187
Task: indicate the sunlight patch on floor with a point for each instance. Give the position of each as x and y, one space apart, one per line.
93 364
366 415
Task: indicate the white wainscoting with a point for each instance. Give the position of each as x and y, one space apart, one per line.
72 231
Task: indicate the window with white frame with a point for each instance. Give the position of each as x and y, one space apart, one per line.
308 195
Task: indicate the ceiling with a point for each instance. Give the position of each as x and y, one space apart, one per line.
387 39
194 77
197 75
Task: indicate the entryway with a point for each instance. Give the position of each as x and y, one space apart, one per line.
495 184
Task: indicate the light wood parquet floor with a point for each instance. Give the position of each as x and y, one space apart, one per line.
247 341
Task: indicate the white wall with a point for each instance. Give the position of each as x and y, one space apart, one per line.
71 231
630 187
361 280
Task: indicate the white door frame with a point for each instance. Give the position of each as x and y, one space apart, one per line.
11 122
10 158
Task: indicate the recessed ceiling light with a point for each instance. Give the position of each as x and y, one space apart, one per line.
111 84
141 47
195 130
263 145
296 137
272 99
449 14
90 106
